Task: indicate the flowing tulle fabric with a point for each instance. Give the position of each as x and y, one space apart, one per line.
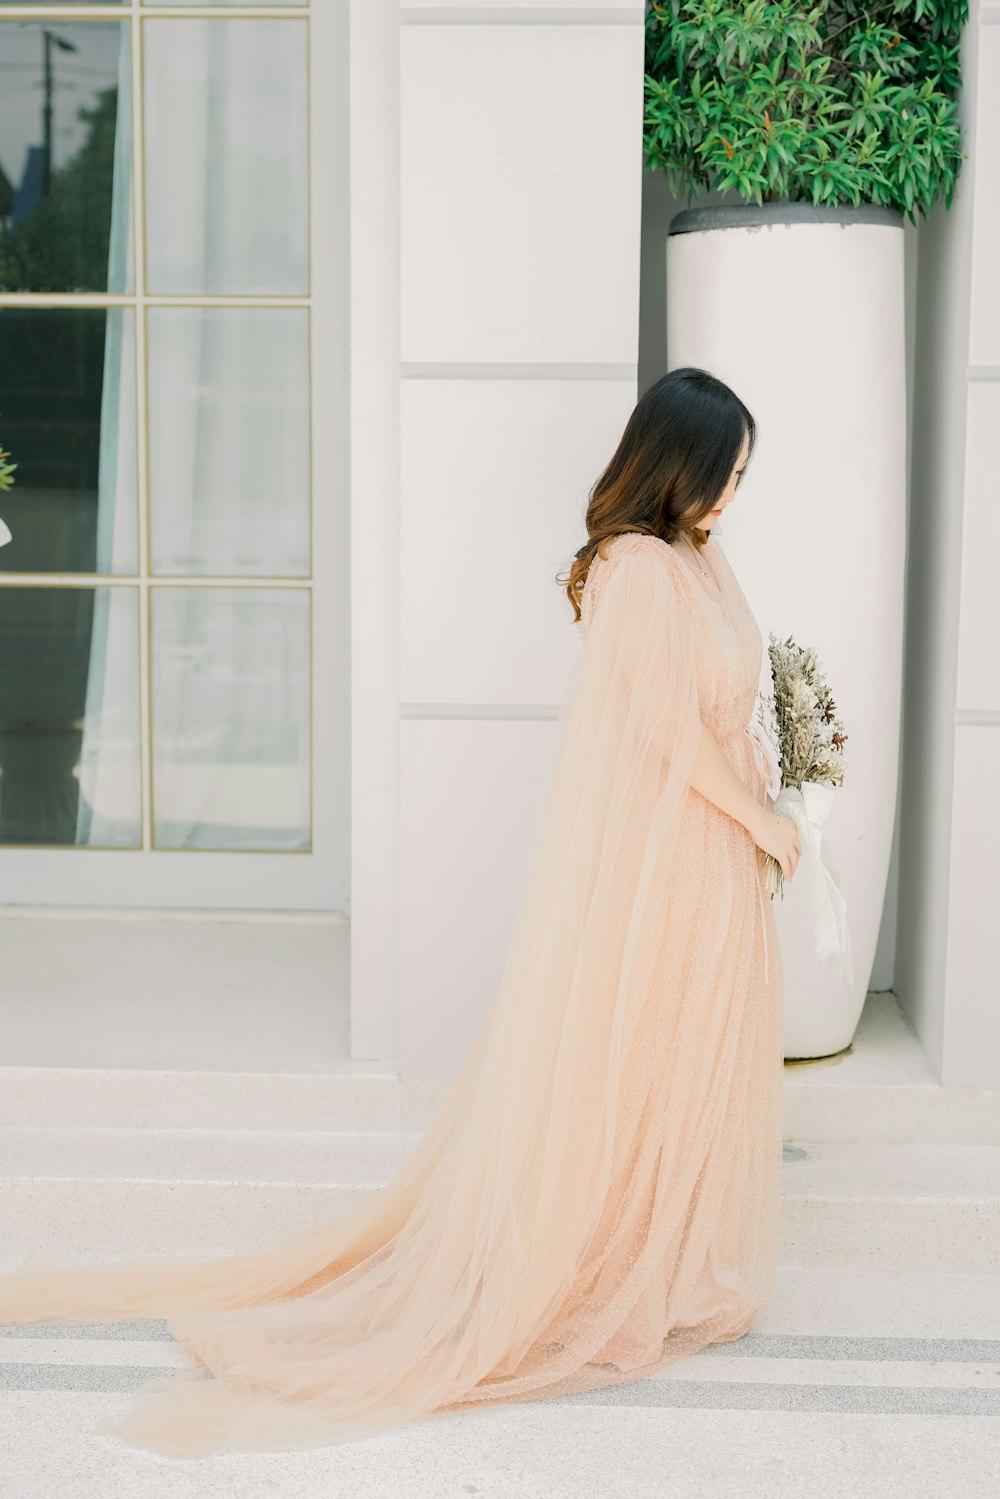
598 1194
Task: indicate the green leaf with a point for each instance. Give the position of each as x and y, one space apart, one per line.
866 114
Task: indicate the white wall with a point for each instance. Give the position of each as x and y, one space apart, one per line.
515 161
950 826
971 1037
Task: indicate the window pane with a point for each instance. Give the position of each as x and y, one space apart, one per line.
233 496
65 156
226 156
230 691
67 416
69 717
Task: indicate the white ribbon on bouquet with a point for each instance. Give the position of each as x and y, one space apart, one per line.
809 805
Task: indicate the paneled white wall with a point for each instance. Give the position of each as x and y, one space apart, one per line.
979 616
971 1049
519 206
520 194
950 813
496 186
494 478
520 191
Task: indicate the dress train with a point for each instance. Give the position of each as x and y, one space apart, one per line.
598 1194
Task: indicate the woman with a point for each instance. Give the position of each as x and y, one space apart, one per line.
598 1195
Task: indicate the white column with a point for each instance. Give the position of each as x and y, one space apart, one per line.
950 811
374 466
971 1042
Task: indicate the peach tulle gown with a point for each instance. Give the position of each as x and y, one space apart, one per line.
599 1193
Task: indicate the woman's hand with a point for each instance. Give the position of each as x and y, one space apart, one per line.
778 836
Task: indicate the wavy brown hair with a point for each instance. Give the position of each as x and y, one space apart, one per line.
679 447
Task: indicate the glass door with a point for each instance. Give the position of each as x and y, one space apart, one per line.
173 616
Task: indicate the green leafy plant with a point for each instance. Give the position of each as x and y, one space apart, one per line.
6 480
834 103
6 471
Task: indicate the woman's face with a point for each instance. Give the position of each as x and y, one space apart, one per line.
725 498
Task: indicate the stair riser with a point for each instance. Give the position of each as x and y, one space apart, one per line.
98 1219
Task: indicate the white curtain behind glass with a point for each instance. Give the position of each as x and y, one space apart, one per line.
225 213
109 806
230 700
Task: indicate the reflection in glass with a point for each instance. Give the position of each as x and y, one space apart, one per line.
230 701
67 404
229 440
226 156
69 717
65 156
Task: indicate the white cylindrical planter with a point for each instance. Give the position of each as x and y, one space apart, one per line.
801 311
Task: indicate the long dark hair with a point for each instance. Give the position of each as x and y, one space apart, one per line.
674 460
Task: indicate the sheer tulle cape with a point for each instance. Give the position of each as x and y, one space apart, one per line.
552 1229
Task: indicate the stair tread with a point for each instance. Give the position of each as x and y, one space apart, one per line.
239 1156
916 1172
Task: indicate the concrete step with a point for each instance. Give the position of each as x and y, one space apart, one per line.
174 990
352 1097
882 1090
898 1169
916 1207
141 1192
